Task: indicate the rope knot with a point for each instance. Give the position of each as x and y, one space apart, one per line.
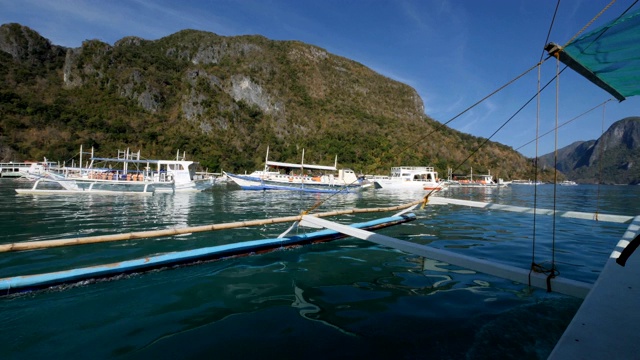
550 272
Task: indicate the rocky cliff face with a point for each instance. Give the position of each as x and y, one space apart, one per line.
612 159
26 45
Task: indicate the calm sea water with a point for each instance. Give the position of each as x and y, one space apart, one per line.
346 299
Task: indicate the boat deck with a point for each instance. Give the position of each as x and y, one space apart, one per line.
609 308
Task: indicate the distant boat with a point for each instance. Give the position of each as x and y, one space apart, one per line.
410 178
526 182
294 178
23 169
125 174
484 180
567 183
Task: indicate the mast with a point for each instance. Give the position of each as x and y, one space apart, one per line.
302 170
126 162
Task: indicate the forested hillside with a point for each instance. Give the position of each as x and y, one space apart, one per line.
222 100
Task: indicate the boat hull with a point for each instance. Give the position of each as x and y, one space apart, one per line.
400 184
247 182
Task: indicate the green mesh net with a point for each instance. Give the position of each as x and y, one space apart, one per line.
608 56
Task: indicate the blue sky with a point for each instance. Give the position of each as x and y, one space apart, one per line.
454 52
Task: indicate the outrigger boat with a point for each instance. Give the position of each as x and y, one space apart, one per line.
606 322
480 181
295 178
24 169
125 174
411 178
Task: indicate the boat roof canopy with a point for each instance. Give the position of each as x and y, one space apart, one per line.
607 56
143 161
300 166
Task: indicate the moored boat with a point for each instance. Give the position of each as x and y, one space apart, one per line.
484 180
411 177
299 177
127 173
567 183
24 169
525 182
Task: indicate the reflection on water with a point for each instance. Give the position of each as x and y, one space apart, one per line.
346 299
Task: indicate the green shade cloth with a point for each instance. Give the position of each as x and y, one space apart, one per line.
609 56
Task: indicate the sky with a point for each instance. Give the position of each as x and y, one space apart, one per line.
454 53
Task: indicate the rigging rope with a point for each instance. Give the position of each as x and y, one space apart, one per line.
553 20
592 20
440 126
555 168
535 170
534 266
600 166
511 118
565 123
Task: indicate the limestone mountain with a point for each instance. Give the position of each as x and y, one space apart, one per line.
612 159
222 100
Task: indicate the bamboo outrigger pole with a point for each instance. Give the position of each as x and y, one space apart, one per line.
33 245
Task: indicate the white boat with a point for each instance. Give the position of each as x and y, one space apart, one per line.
23 169
410 178
567 183
128 173
294 178
526 182
481 181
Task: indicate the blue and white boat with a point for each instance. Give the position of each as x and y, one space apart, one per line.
300 177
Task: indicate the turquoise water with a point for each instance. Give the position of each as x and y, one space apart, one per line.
345 299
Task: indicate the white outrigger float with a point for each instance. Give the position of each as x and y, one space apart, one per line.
125 174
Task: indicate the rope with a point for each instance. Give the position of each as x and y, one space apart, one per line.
534 266
550 272
591 22
564 123
535 173
505 123
555 167
600 166
320 201
550 27
440 126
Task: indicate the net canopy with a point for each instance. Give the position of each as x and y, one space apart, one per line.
608 56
